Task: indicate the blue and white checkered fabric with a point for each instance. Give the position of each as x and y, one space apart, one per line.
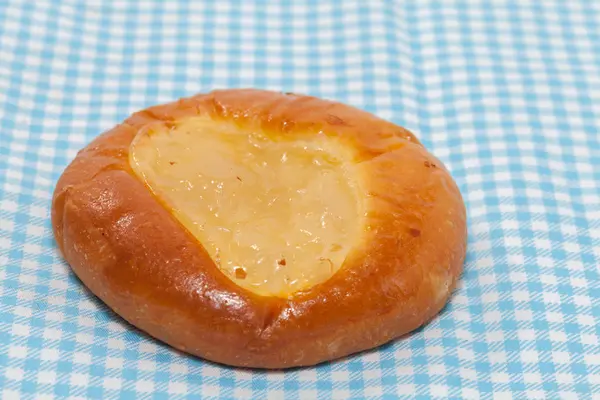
506 93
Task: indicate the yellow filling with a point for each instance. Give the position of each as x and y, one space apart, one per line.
276 215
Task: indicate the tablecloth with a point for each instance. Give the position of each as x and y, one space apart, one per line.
505 93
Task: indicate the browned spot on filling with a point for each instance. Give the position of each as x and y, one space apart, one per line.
336 247
172 162
430 165
282 262
240 273
414 232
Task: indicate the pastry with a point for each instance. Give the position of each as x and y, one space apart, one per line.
262 229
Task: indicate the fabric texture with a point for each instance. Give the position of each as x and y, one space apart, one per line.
505 93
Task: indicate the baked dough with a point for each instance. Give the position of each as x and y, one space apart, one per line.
262 229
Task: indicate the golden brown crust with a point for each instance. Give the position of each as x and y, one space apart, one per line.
133 254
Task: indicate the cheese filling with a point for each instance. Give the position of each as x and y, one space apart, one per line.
276 215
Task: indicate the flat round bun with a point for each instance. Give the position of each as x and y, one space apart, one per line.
186 254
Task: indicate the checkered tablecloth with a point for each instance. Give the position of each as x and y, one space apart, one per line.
506 93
